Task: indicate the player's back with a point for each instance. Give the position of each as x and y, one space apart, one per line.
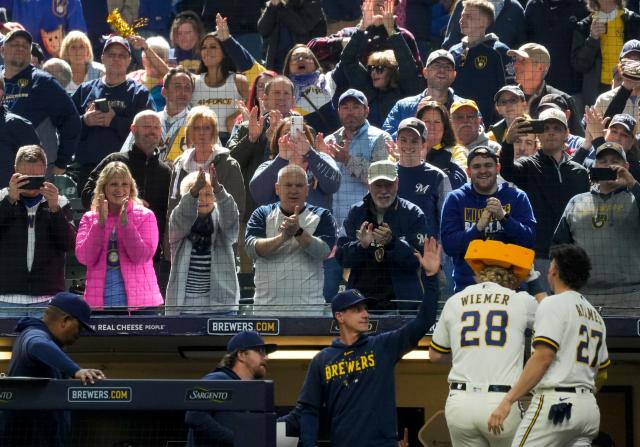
484 327
571 325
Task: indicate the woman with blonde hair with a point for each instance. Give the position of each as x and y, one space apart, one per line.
116 241
202 231
76 50
203 151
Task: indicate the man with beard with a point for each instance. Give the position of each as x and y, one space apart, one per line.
246 359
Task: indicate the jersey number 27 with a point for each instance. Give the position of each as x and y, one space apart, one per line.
582 354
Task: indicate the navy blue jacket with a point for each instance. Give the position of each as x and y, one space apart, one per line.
509 25
126 99
440 157
408 226
37 354
485 64
425 186
35 95
211 429
15 132
461 212
357 382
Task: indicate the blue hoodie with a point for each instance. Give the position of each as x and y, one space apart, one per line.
357 382
460 213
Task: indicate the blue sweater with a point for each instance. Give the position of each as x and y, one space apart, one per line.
426 186
211 429
461 212
126 99
357 383
35 95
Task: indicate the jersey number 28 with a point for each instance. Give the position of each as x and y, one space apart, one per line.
495 333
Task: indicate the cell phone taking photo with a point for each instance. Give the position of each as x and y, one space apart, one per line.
101 105
537 126
35 182
602 174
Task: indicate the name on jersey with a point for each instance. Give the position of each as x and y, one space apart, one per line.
589 314
215 102
349 366
485 298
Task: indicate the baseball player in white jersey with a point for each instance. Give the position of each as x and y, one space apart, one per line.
483 329
570 357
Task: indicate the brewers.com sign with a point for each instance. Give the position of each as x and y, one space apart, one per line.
230 326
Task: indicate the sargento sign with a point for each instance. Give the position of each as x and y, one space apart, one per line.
229 326
206 395
99 394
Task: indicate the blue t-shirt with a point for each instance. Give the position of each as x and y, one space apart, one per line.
114 292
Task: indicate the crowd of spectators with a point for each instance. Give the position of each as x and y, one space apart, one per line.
305 143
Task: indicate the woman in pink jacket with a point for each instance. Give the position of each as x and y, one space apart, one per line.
116 241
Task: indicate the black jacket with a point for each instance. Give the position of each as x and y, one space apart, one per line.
55 234
284 25
152 178
551 23
548 184
15 132
586 56
575 127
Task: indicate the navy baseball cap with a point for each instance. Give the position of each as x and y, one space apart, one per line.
75 306
354 94
630 46
249 340
117 40
484 151
347 299
625 120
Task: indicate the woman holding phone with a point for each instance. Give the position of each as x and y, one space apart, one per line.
116 241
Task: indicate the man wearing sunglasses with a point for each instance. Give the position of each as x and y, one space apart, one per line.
246 359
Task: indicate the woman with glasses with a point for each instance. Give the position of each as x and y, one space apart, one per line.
313 89
389 76
201 136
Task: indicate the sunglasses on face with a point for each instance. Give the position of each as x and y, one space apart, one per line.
376 68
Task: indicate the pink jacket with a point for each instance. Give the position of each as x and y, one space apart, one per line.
137 243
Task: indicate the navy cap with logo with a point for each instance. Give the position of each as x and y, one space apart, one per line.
352 93
483 151
249 340
624 120
75 306
117 40
630 46
18 33
347 299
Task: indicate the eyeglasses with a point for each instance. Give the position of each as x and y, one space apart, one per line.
302 57
506 102
376 68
